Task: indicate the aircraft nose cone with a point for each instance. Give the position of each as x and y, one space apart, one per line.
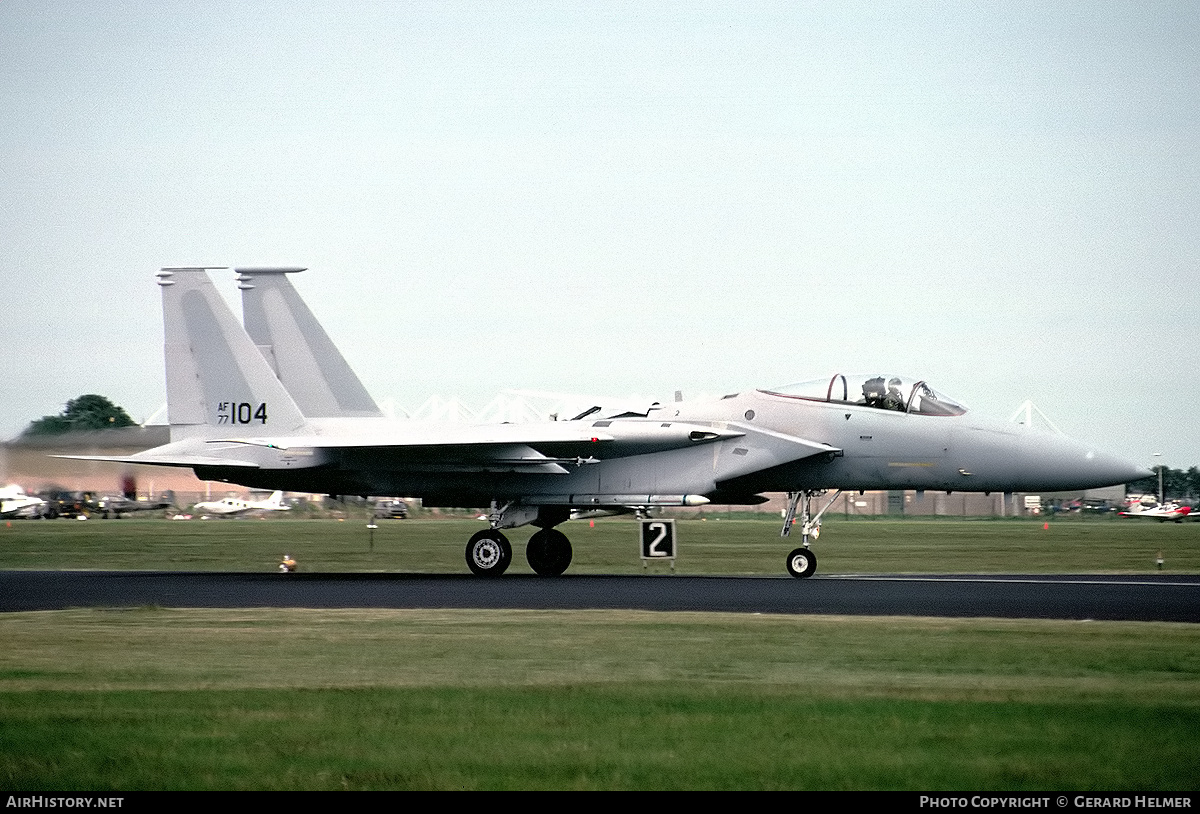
1065 463
996 456
1113 469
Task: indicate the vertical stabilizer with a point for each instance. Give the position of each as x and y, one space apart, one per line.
296 346
218 384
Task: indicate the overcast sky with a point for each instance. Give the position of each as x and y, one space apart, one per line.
622 198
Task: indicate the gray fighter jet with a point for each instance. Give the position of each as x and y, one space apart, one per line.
233 419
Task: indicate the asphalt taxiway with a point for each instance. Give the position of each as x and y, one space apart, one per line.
1130 598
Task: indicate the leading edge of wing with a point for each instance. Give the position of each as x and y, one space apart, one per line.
155 457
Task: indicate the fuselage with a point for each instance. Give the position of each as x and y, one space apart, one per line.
887 449
849 446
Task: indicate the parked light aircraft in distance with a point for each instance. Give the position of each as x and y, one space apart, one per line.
15 503
232 506
233 419
1163 512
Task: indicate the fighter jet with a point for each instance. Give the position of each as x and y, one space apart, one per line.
232 419
232 506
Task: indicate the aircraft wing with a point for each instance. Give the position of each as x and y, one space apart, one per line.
512 442
418 435
1141 515
532 448
178 453
550 448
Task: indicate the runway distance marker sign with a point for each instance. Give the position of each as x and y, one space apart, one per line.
658 540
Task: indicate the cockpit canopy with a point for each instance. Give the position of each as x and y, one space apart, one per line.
898 393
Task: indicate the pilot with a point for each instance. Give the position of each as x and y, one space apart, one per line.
288 564
873 392
894 400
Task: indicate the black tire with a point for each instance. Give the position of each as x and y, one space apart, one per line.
548 552
488 553
802 563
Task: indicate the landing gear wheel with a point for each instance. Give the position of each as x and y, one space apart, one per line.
488 553
548 552
802 563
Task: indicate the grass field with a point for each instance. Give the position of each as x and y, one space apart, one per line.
150 698
714 546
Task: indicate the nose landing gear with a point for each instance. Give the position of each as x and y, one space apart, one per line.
802 563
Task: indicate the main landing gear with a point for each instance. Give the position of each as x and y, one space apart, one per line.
488 553
802 562
549 551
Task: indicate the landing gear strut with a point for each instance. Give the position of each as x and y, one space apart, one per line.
802 563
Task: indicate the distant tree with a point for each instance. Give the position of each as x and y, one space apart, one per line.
89 412
1177 484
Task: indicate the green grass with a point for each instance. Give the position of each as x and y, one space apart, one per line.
152 698
611 737
713 546
179 699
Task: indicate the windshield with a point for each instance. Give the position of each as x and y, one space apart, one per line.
898 393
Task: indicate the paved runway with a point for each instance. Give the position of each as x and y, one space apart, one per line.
1134 598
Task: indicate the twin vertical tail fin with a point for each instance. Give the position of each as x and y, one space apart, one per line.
297 348
218 383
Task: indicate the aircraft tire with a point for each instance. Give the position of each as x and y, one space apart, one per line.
488 553
549 552
802 563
